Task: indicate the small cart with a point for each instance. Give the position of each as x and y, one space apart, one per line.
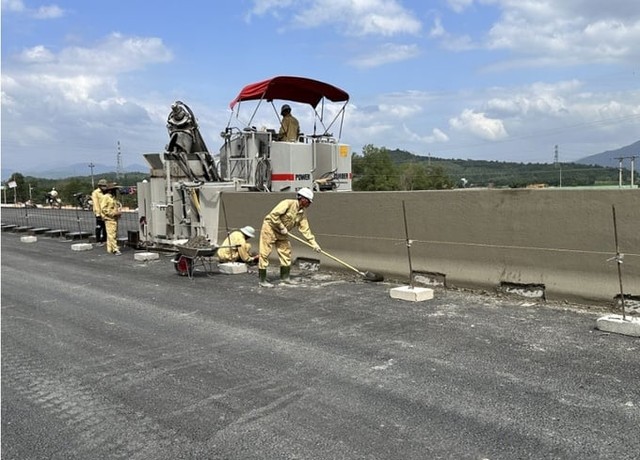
187 258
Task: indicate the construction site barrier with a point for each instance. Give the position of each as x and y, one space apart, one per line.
550 243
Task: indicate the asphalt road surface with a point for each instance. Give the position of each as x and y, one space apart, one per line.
104 357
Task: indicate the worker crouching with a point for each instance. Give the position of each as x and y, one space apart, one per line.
285 216
236 247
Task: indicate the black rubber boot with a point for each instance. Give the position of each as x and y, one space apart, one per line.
285 275
262 274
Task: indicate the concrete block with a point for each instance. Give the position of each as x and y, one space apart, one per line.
28 239
145 256
81 247
232 268
412 294
614 323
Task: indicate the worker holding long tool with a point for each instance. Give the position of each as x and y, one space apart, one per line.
285 216
236 247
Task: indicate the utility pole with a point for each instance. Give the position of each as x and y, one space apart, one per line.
620 171
633 167
91 166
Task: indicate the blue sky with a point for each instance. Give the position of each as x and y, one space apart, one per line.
503 80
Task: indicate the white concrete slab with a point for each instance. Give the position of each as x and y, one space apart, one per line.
146 256
614 323
28 239
232 268
82 247
411 294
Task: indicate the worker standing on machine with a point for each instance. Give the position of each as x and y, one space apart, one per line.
289 126
285 216
236 247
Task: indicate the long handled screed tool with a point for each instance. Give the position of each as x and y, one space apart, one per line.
369 276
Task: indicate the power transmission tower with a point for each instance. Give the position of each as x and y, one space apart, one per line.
119 163
620 170
91 166
557 162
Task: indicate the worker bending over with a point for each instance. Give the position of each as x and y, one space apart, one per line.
285 216
236 247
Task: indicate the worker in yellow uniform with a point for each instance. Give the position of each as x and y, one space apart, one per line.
236 247
96 198
111 211
289 126
285 216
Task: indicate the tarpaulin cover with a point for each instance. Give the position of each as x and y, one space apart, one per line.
296 89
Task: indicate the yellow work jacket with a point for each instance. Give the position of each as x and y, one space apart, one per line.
289 129
109 207
238 250
96 197
288 214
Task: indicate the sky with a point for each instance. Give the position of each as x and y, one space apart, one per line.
504 80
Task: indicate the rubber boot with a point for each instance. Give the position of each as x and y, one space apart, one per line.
285 277
262 274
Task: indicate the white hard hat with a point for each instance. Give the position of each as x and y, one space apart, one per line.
306 193
248 231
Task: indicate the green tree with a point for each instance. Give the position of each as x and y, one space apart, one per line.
21 191
418 176
374 171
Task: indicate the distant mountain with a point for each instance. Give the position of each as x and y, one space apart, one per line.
610 158
77 169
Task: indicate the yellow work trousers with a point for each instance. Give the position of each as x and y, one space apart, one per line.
268 239
112 235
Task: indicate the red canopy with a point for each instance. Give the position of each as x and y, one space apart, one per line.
296 89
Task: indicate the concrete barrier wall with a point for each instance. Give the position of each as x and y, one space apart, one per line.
556 238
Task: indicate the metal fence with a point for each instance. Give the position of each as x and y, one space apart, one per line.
75 221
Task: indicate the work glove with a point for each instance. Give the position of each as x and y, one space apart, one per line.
284 231
317 249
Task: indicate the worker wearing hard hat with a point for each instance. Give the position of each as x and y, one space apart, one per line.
96 198
236 247
111 210
285 216
289 126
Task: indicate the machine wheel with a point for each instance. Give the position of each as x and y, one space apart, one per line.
183 265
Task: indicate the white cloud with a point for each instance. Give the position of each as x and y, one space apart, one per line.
73 93
48 12
16 6
436 135
459 5
386 54
479 125
114 55
37 54
547 32
358 17
42 12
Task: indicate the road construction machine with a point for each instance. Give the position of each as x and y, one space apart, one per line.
181 198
